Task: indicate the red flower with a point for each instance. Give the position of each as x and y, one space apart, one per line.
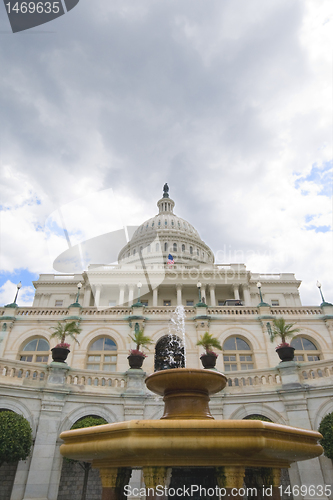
136 352
64 345
283 344
209 353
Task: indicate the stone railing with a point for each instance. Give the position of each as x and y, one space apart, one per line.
96 379
41 311
306 310
315 370
237 310
21 372
16 372
11 370
254 378
160 310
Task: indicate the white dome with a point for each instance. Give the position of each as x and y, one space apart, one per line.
165 234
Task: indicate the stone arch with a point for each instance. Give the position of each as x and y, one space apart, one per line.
18 407
314 337
258 409
247 335
29 335
102 332
324 409
85 411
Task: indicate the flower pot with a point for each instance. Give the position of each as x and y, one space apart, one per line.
285 353
59 354
208 360
135 361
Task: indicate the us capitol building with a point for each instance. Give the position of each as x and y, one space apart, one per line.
165 264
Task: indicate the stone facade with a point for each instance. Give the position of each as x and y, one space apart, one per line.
110 305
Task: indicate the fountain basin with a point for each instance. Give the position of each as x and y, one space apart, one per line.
194 443
186 391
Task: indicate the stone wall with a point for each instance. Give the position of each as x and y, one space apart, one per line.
7 476
71 483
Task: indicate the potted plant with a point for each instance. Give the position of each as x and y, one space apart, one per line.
207 341
136 357
61 350
284 330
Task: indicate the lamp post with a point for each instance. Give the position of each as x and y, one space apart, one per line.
262 303
199 290
13 304
79 286
324 303
259 288
139 285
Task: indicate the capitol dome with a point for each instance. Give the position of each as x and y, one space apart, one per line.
165 234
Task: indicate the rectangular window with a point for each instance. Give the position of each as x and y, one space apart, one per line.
300 357
144 302
221 302
26 358
167 302
112 303
42 359
189 302
59 303
275 303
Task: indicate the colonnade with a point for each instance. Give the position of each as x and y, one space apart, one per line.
127 294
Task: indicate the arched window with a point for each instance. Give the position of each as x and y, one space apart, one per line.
159 222
191 250
102 355
198 251
134 251
165 222
36 351
183 248
169 353
237 355
165 246
305 350
175 247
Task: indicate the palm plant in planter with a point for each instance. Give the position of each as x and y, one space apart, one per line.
136 356
61 350
284 330
207 341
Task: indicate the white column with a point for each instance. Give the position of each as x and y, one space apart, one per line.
87 295
236 292
121 298
97 294
212 295
155 296
39 477
247 296
179 295
130 294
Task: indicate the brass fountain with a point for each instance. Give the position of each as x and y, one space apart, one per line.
188 436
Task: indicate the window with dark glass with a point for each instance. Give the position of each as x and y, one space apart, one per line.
36 351
102 355
305 350
237 355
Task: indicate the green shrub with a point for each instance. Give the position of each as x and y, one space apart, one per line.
88 422
326 429
15 437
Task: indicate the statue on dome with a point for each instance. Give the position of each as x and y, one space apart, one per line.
165 191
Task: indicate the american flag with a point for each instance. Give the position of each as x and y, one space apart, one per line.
170 260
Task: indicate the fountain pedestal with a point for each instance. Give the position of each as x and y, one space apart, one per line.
188 436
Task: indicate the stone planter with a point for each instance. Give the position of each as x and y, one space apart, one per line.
135 361
208 361
285 353
59 354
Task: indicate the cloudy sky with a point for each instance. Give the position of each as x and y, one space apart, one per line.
229 101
